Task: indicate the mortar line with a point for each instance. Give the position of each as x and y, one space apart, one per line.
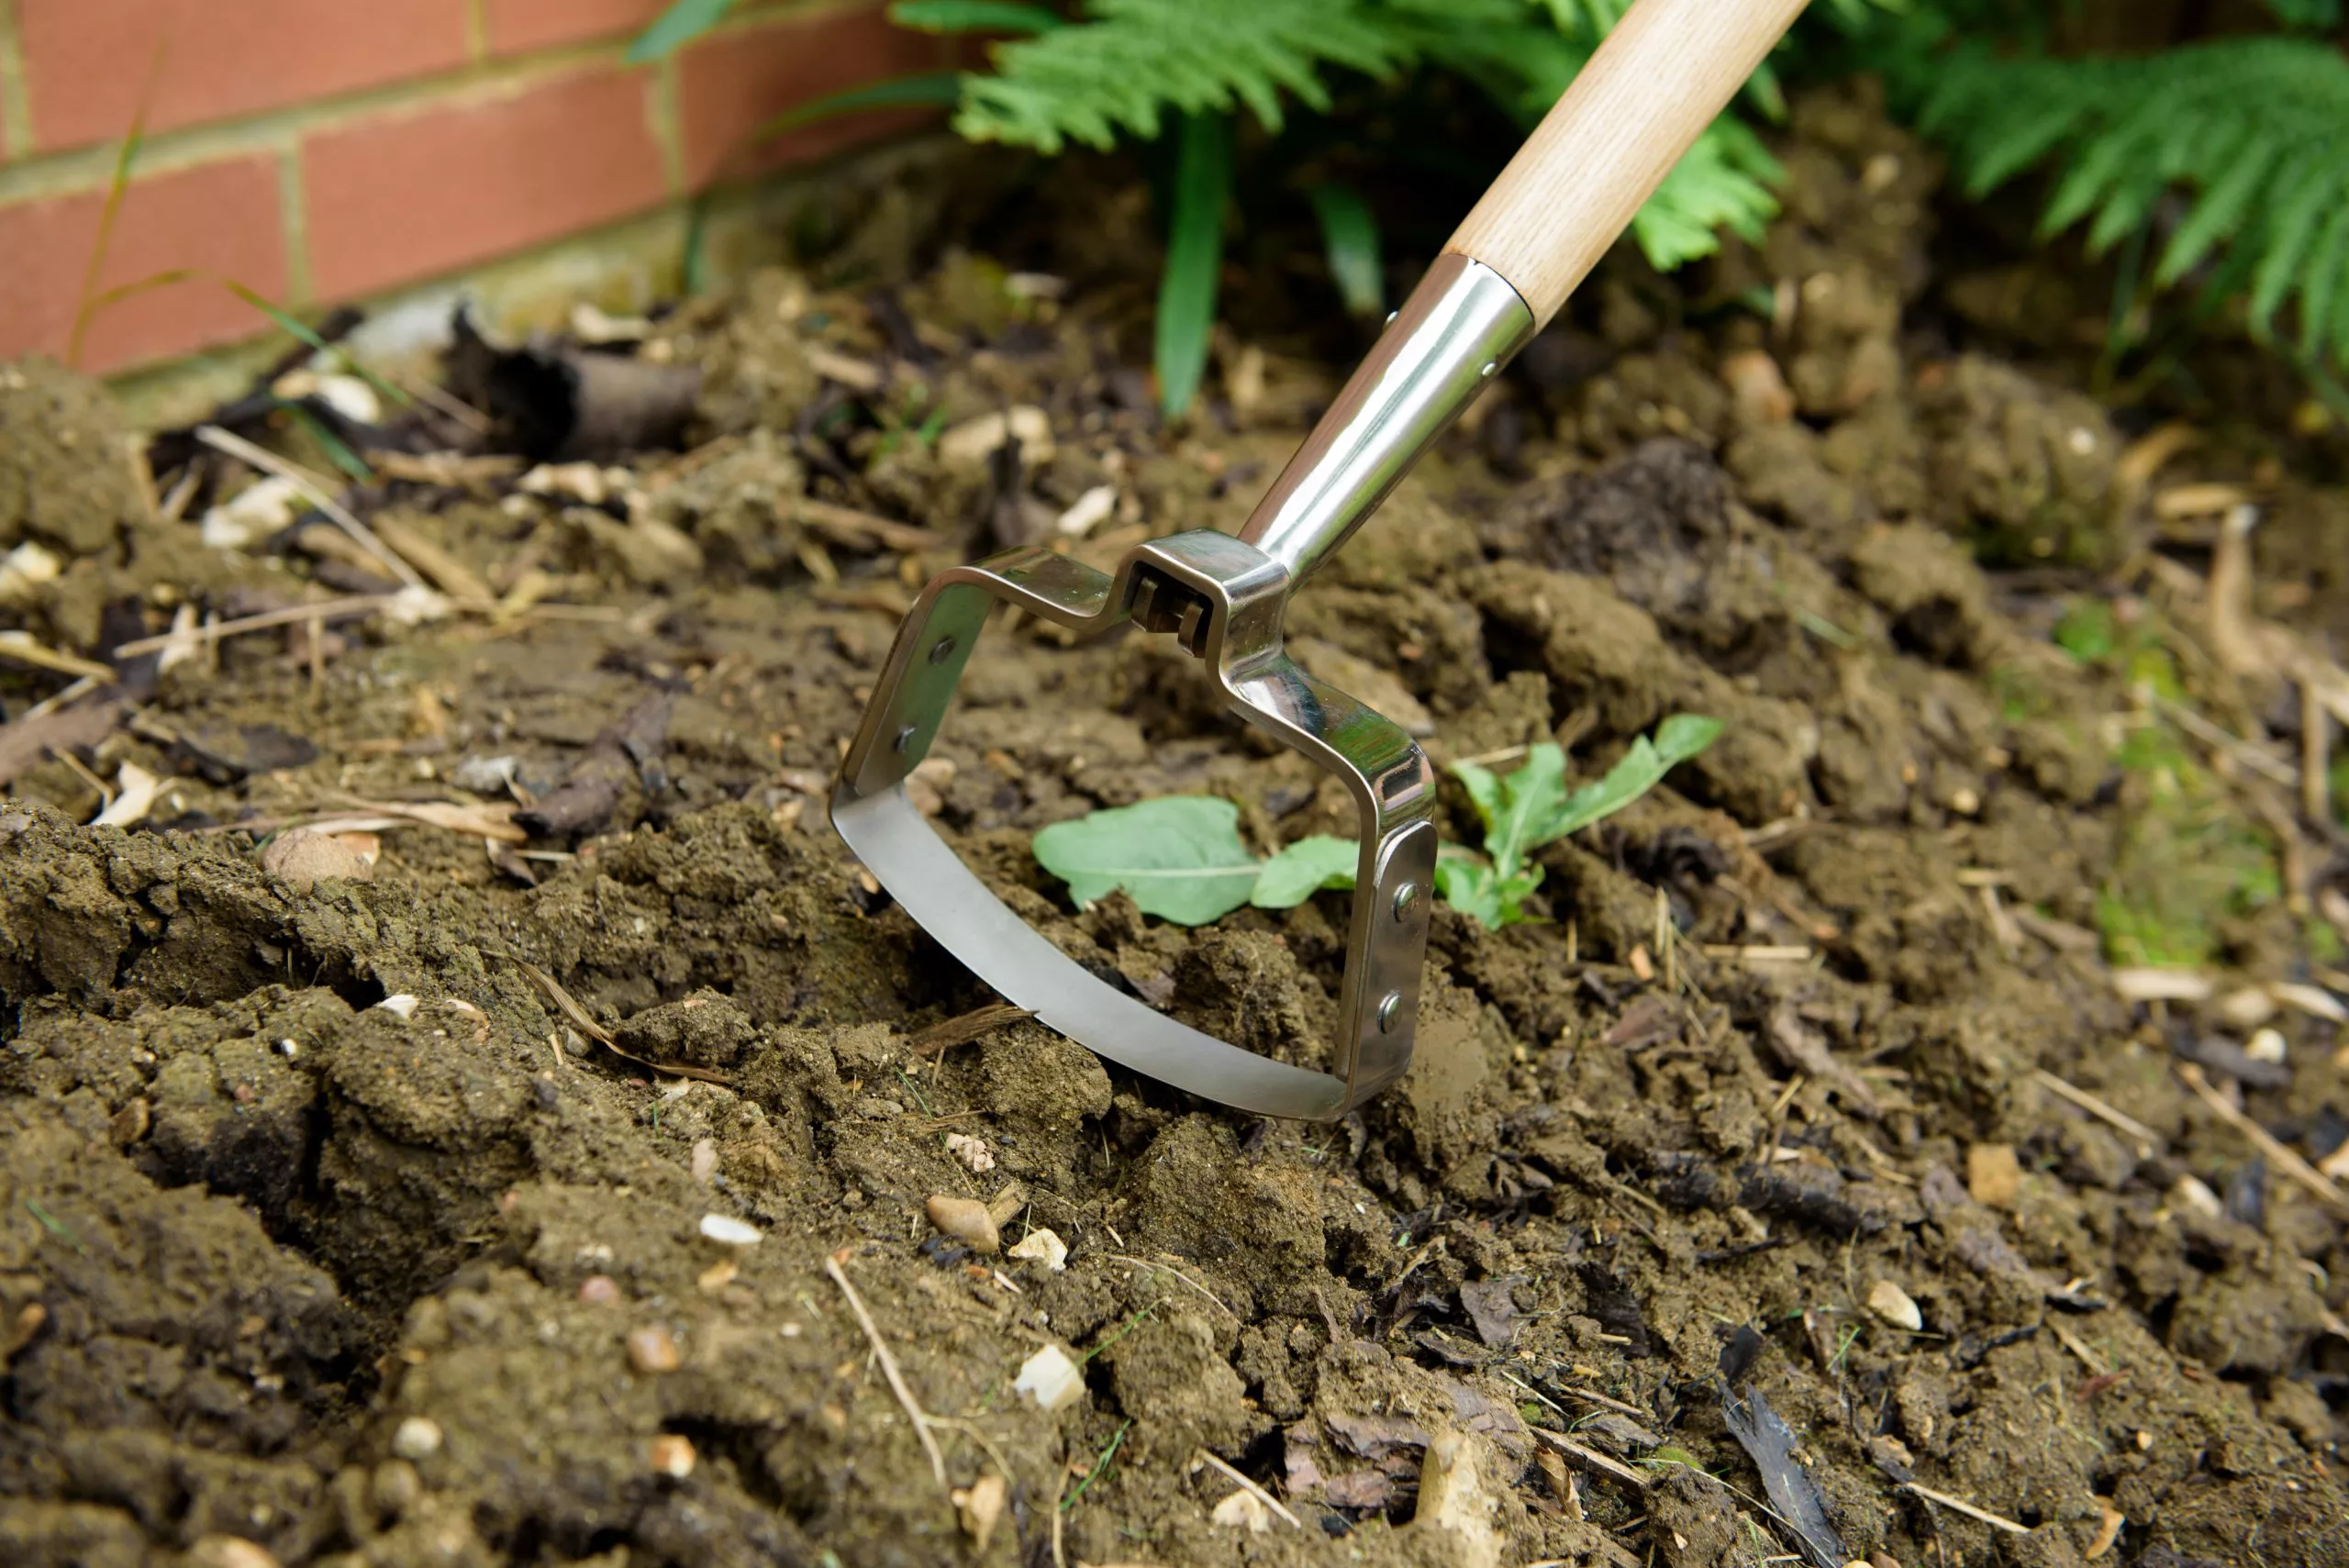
476 22
16 102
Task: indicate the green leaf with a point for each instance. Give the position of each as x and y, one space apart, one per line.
1179 856
1470 888
1187 294
1530 797
1483 788
675 28
1643 767
1349 235
1304 869
975 17
350 461
1131 61
925 90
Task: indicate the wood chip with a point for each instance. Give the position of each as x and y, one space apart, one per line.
1993 1175
2162 985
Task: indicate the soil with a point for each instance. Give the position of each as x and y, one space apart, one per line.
343 1221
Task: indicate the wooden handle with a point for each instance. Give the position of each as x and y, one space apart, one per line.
1656 81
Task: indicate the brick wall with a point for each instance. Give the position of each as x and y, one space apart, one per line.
320 151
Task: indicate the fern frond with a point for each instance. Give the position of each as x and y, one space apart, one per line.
1131 61
2252 132
1725 182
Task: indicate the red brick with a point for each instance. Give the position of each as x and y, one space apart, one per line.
219 218
519 25
87 61
404 196
730 86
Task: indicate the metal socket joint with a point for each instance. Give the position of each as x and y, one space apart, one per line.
1460 326
1223 599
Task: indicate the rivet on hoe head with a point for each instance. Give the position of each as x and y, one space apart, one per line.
1407 898
1389 1006
941 651
904 737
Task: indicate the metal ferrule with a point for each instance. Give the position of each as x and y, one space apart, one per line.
1460 326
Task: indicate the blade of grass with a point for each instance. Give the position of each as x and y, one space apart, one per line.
334 446
675 28
116 188
974 17
925 90
1186 293
285 320
1349 235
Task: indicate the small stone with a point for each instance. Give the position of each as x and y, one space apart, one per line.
400 1005
652 1349
394 1487
1758 388
967 1221
1993 1175
1051 1379
727 1232
301 860
599 1290
1044 1247
1891 1303
705 1164
131 1122
673 1456
229 1551
2194 1195
2266 1045
972 1151
418 1438
2247 1009
980 1504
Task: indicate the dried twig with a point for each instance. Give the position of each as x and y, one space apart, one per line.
889 1370
1960 1505
2145 1136
2316 746
235 446
1250 1487
19 647
2278 1154
1591 1456
1169 1268
965 1027
323 611
845 524
585 1022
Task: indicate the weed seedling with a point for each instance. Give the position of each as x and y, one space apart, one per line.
1180 856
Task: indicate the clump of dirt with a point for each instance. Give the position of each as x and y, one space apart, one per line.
76 534
569 1197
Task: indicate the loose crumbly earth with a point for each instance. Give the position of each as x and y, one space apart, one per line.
428 1282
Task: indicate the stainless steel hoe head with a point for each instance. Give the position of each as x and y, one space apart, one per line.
1222 598
1667 68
